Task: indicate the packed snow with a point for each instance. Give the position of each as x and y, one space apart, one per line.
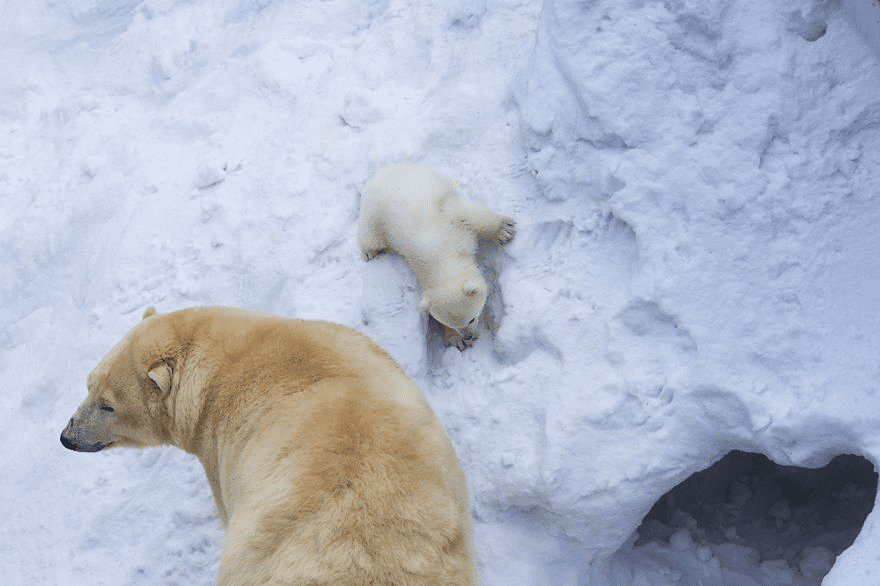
695 270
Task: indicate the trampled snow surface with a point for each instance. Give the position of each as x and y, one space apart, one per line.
695 270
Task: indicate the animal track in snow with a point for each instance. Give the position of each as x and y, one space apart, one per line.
645 318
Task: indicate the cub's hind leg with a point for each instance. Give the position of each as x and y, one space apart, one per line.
371 238
483 220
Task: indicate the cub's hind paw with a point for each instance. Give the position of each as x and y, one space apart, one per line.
506 231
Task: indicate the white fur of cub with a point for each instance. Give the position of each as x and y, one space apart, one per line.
415 212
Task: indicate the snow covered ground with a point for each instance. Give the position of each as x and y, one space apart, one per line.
695 269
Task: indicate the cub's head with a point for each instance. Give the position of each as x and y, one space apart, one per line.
457 306
127 391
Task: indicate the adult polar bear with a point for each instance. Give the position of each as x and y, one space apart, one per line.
415 212
326 462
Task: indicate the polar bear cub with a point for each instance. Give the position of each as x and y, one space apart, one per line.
416 212
327 463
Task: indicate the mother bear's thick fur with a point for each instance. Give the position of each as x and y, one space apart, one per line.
326 462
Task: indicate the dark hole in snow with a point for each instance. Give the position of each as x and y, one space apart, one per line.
809 31
813 31
746 516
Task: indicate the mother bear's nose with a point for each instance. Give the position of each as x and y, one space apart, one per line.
67 443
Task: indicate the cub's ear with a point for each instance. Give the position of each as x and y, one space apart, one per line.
161 375
470 288
151 310
425 301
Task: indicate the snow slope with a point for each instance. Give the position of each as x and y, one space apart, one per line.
695 268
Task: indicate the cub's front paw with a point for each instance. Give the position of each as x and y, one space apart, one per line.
506 230
460 340
370 254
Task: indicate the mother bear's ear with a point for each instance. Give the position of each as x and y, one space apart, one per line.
151 310
161 375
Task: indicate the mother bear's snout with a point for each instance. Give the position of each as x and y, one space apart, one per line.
81 447
67 443
70 439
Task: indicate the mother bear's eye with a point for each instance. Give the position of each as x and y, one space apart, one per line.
106 408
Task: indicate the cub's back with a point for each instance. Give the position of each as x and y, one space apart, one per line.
404 203
407 192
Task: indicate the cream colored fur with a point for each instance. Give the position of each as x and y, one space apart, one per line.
415 212
326 462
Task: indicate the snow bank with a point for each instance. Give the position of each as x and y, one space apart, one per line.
734 145
694 272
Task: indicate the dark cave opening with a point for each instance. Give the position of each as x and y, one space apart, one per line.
803 517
